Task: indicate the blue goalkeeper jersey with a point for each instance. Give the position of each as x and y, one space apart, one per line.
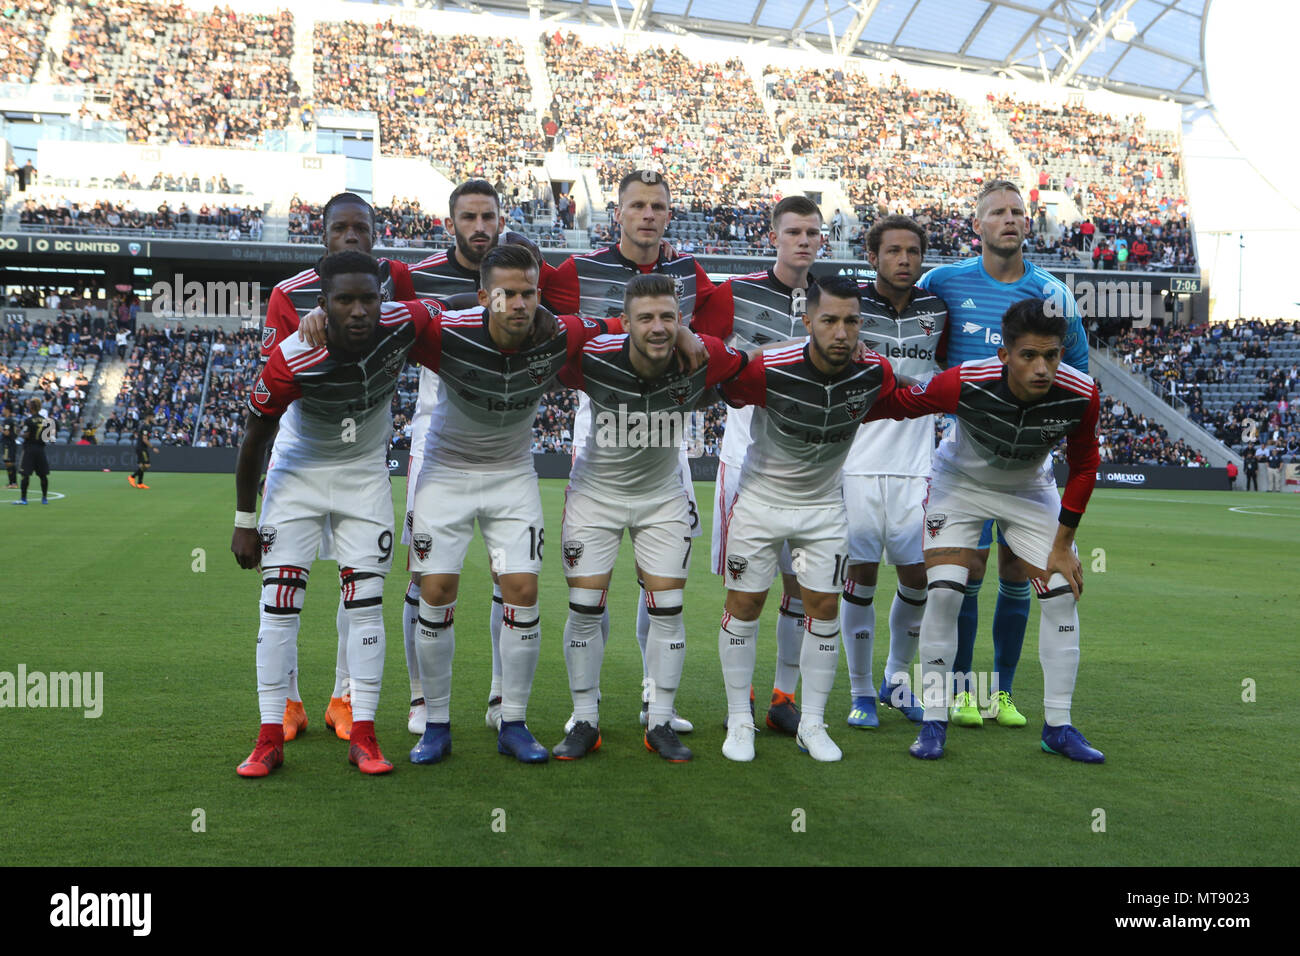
976 303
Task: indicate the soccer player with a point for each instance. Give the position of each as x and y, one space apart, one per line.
1011 411
884 475
349 223
143 445
332 408
9 426
38 431
626 476
812 396
749 312
478 466
592 284
978 292
476 222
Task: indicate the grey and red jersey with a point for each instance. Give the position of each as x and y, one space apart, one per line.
749 312
1003 442
488 398
631 450
440 276
336 411
593 283
911 341
296 296
804 423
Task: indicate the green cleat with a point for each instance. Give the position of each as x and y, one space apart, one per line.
964 713
1004 711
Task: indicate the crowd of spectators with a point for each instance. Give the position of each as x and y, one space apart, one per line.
24 25
236 360
164 376
699 123
180 75
59 350
461 101
104 216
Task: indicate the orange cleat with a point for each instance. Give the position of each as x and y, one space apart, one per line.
142 485
131 479
266 756
365 753
338 716
295 719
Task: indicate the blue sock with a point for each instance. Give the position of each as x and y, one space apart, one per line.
1010 618
968 622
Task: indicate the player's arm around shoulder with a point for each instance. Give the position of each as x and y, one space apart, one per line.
916 400
749 387
259 430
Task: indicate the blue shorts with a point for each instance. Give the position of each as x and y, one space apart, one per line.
986 535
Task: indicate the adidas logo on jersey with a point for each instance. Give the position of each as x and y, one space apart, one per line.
969 304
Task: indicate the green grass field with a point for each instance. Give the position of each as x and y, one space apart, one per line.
1198 595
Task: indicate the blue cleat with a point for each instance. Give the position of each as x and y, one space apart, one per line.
434 744
863 713
900 696
45 501
518 741
21 501
929 742
1068 742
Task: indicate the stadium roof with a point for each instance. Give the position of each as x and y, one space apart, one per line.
1142 47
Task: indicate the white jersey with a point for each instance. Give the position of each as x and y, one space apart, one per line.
424 403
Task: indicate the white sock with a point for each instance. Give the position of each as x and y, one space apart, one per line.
946 591
494 628
665 653
279 607
1058 648
584 650
858 621
435 644
789 642
738 649
410 622
366 642
341 657
820 655
293 672
521 646
642 628
905 616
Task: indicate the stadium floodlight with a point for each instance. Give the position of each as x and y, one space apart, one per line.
1124 31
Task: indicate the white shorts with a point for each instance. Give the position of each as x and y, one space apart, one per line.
725 490
955 512
592 530
507 506
412 478
885 519
816 537
326 550
301 503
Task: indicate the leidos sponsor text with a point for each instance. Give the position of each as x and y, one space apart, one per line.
76 909
78 690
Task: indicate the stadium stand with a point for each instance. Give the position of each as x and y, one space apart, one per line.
24 25
106 217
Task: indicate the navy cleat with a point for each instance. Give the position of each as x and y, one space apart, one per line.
44 500
516 740
900 697
863 713
21 501
434 744
1068 742
929 742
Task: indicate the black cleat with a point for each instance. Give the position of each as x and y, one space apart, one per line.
580 741
663 741
783 715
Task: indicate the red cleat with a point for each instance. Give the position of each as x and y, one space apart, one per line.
365 752
295 719
267 754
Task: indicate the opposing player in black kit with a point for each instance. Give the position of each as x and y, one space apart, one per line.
38 431
143 446
9 440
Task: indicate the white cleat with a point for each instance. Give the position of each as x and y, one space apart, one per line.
814 741
417 718
739 745
493 716
679 723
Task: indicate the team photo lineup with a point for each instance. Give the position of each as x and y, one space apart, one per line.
828 467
